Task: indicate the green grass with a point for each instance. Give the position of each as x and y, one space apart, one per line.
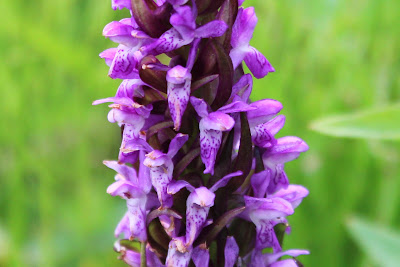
331 57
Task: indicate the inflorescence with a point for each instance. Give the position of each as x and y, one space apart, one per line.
199 165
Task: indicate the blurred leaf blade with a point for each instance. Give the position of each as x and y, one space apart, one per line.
381 244
379 123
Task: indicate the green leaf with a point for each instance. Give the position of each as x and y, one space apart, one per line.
378 123
381 244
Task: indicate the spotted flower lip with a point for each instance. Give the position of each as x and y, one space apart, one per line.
199 202
188 121
212 124
161 168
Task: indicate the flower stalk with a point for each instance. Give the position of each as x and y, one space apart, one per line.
200 166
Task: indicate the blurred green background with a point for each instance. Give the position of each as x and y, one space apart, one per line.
331 57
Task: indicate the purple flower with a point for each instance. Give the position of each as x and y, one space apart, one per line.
242 32
265 213
161 168
198 205
211 125
286 149
124 59
136 193
126 111
184 31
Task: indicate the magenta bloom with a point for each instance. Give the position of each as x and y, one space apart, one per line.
200 165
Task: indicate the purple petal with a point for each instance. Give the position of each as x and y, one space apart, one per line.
266 236
125 189
124 64
278 176
200 106
161 2
201 256
263 134
130 88
266 109
196 216
176 143
256 208
184 22
135 144
237 55
231 251
161 168
123 227
217 121
202 196
271 258
127 155
214 28
237 106
284 263
108 55
243 28
286 149
175 187
137 218
132 258
167 42
125 172
260 182
257 63
144 178
243 87
176 2
192 54
178 75
104 100
120 33
294 194
224 181
276 124
123 117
